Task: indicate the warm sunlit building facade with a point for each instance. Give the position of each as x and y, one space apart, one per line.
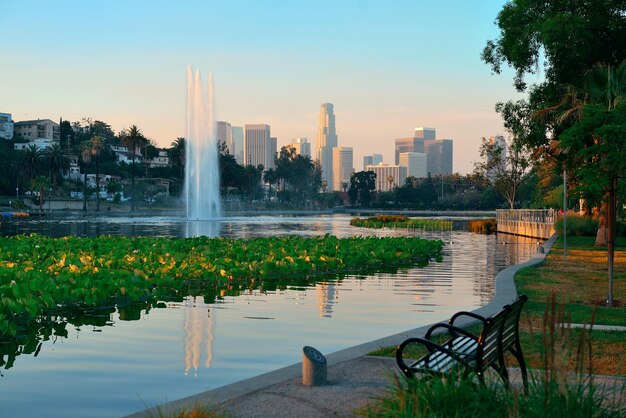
302 146
255 144
343 167
225 135
415 163
237 137
326 141
388 176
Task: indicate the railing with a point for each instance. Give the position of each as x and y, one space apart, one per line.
535 223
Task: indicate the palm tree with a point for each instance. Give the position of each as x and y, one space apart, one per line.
95 149
57 161
39 184
31 161
178 156
85 157
133 139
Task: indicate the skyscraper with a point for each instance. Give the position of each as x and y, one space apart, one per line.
438 151
416 164
302 146
255 144
271 149
225 135
343 166
326 141
237 137
373 159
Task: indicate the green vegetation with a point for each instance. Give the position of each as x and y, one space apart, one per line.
391 221
39 274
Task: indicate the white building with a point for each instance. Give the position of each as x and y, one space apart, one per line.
416 164
162 160
499 142
255 144
41 144
388 176
326 141
343 167
225 135
237 138
122 155
302 146
6 126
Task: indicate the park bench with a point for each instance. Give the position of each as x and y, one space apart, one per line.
466 352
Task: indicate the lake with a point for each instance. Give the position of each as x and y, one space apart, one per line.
132 361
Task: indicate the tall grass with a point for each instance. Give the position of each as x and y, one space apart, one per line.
564 387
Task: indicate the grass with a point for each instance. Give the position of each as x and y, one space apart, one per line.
563 289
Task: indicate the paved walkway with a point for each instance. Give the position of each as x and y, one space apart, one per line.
354 378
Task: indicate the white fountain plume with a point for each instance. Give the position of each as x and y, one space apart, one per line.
202 182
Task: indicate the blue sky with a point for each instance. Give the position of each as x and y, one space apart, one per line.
387 66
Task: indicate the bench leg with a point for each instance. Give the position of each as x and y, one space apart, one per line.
519 356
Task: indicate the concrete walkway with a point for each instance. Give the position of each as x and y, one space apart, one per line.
354 377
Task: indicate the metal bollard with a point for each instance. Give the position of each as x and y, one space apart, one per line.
313 367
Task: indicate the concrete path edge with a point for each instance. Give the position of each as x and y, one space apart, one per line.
505 292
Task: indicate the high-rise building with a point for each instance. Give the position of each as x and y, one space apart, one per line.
225 135
439 152
499 142
6 126
372 160
237 137
388 176
408 145
272 145
326 141
302 146
255 144
415 163
343 167
425 133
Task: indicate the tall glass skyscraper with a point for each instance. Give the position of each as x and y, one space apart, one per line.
326 141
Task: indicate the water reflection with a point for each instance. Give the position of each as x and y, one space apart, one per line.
207 228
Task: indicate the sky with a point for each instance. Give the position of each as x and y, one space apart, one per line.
387 66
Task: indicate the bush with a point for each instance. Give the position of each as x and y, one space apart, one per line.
578 225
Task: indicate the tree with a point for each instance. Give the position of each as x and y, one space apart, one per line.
39 184
133 139
270 178
298 172
57 162
94 149
362 184
85 158
31 162
599 138
506 168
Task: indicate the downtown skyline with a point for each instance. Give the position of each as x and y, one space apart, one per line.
386 68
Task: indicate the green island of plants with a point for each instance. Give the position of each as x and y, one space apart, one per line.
395 221
41 275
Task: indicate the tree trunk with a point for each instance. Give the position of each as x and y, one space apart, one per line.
612 223
602 235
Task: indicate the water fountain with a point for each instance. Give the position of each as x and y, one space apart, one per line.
202 183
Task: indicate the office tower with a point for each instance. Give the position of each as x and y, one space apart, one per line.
425 133
326 141
499 142
439 152
343 167
272 145
225 135
372 160
255 144
302 146
237 137
6 126
388 176
439 156
407 145
415 163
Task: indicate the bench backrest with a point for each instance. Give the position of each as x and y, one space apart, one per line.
500 332
489 342
510 328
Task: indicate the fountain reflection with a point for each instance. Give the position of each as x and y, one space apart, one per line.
209 228
198 334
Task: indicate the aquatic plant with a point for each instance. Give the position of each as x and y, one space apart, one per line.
394 221
40 275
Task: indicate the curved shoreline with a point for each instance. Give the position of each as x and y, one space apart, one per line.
505 292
